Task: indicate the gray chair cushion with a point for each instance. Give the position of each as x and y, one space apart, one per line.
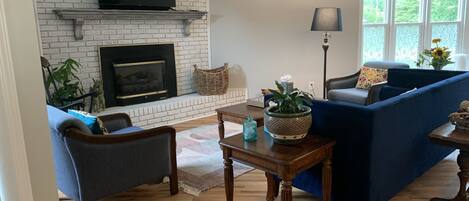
385 64
127 130
350 95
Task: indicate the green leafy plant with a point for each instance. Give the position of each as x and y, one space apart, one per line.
68 83
289 102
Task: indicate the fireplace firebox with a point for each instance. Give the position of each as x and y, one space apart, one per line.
138 74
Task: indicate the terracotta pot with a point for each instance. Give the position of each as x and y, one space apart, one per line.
287 128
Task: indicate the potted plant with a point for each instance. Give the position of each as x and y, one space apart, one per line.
67 83
437 57
288 120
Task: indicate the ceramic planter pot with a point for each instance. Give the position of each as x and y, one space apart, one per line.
287 128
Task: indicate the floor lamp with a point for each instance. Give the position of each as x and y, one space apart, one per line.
326 20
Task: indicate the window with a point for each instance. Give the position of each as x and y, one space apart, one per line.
398 30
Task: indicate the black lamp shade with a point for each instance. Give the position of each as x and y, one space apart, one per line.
327 19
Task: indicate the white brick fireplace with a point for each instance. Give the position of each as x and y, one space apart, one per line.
59 43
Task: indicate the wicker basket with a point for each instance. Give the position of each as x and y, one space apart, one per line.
211 82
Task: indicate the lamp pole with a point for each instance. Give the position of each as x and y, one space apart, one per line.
325 47
326 19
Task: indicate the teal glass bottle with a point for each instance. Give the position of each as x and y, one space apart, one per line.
250 129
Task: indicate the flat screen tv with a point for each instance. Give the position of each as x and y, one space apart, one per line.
137 4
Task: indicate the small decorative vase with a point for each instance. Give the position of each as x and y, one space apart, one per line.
438 67
250 130
288 129
288 86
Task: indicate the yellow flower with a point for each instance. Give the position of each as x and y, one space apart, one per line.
438 52
436 40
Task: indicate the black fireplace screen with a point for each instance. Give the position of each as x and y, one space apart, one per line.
139 79
138 73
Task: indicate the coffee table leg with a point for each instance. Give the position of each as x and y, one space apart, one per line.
272 187
463 162
221 126
228 175
326 179
276 187
286 190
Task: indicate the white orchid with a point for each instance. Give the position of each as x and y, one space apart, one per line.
286 78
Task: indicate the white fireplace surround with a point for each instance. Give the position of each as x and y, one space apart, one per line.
59 43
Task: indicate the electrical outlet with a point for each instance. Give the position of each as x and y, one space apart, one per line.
311 85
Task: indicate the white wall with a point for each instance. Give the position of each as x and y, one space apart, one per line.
466 33
465 50
32 130
268 38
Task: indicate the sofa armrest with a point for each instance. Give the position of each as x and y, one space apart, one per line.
115 122
374 93
351 126
342 82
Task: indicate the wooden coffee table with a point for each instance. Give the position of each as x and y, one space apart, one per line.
446 136
237 114
280 160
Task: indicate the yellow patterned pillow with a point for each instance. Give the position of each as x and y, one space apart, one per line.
370 76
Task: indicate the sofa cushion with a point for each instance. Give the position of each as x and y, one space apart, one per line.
391 91
351 95
370 76
127 130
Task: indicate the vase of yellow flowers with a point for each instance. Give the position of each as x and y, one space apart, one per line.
437 57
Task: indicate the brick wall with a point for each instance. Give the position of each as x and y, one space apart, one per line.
58 42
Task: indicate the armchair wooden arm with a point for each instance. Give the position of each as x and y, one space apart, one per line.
77 134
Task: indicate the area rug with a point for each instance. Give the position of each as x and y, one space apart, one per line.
200 159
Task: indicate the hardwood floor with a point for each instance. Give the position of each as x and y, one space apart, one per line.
440 181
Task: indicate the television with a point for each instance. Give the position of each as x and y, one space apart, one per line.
137 4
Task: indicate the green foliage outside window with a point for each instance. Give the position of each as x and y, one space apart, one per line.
373 11
444 10
409 11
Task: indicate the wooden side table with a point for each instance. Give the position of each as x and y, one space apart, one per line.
447 136
281 160
237 114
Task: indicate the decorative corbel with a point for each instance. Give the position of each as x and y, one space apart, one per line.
78 28
187 27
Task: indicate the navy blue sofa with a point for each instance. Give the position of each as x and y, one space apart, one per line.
383 147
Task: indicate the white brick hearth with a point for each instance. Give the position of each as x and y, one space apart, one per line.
178 109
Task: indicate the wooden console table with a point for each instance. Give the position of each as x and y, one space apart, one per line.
281 160
237 114
447 136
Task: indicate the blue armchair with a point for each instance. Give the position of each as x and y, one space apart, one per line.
343 89
90 167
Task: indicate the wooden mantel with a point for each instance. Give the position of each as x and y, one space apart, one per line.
80 15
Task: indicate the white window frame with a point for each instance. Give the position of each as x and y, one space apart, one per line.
425 28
